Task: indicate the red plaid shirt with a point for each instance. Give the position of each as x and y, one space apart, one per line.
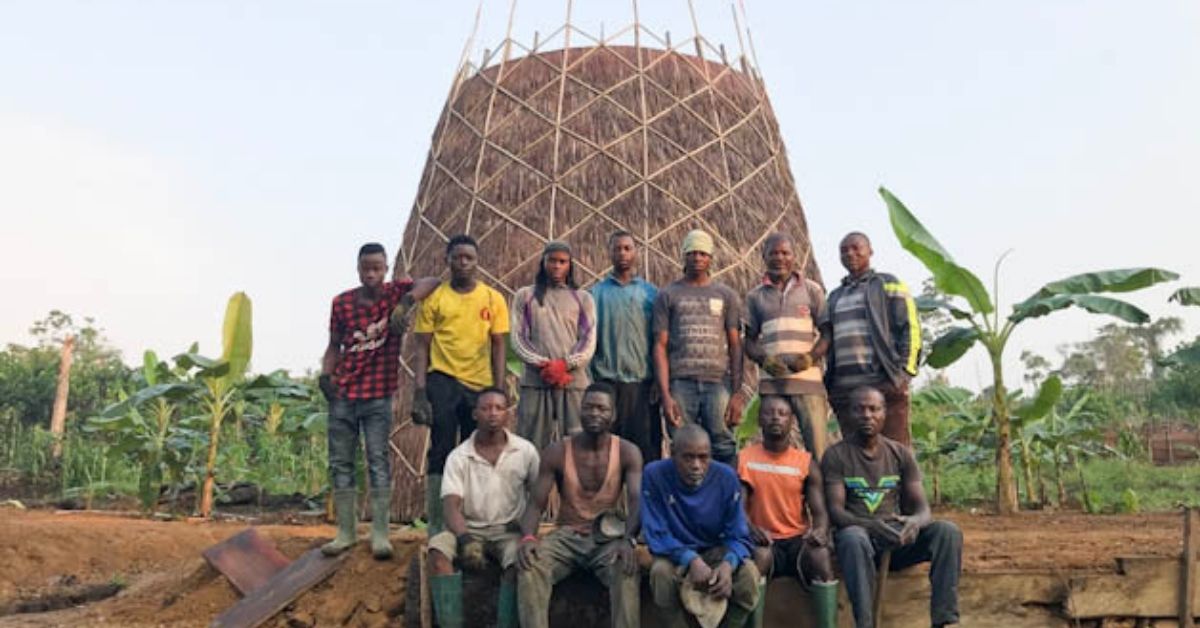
369 367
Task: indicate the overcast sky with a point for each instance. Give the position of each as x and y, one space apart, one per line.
157 156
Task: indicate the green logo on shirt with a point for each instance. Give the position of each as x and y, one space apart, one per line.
872 497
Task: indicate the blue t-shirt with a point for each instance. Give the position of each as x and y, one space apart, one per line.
680 522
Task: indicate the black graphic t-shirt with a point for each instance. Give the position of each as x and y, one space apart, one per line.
872 482
696 319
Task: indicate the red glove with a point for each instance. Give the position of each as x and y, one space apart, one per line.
555 373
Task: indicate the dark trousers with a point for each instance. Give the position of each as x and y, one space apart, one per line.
453 421
896 400
349 417
939 543
638 420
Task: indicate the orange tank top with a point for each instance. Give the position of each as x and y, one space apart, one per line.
579 506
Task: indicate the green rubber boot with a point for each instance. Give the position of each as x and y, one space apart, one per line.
825 604
345 508
738 617
433 503
756 617
506 606
381 514
447 599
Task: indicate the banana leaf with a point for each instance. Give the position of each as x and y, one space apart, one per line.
1093 303
951 346
1186 296
1118 280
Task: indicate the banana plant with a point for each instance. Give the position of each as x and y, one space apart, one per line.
981 322
144 427
936 412
1025 417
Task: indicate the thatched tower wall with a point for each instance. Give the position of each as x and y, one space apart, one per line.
574 144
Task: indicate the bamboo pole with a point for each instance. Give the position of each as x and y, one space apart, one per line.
58 416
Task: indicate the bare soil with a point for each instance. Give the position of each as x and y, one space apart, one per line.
164 580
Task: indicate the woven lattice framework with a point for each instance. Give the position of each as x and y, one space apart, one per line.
572 144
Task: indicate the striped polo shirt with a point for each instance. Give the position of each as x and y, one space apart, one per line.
784 322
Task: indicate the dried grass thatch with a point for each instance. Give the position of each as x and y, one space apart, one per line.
573 144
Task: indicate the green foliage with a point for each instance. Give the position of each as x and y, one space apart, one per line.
1186 296
748 428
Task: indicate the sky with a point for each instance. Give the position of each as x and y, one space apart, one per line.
156 157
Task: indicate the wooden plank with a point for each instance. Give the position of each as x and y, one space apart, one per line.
1150 589
303 574
247 559
1187 602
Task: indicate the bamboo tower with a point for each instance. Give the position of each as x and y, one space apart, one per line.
626 131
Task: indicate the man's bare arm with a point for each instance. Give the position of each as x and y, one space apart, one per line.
631 466
452 512
421 358
547 470
333 351
814 496
499 365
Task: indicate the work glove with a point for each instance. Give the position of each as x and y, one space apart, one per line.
400 319
555 373
470 553
774 366
328 388
800 362
422 408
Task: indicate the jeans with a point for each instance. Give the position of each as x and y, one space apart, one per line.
939 543
347 417
453 418
704 403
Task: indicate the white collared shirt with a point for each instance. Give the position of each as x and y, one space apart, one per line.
492 494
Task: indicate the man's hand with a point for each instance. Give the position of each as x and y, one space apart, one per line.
880 529
625 556
909 529
721 582
555 373
470 553
800 362
733 410
328 388
398 322
817 537
759 536
422 408
699 573
527 553
671 411
775 366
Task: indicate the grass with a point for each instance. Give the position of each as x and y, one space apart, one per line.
1115 486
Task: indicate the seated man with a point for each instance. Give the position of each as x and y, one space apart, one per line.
693 522
483 495
590 469
779 481
873 486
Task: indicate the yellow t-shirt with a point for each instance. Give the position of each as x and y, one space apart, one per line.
462 326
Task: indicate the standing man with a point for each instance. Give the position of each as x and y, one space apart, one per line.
624 313
782 487
692 520
878 504
698 349
484 491
554 334
780 336
460 350
360 372
591 470
872 337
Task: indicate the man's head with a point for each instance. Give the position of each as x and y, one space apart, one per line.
775 417
697 253
779 256
372 265
597 411
691 451
555 269
622 251
462 256
866 412
491 410
855 251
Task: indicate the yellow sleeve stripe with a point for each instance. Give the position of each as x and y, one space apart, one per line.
898 289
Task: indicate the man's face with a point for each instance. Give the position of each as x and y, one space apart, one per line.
866 412
558 264
779 259
691 461
775 418
372 269
696 263
491 411
462 260
622 253
856 254
596 412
